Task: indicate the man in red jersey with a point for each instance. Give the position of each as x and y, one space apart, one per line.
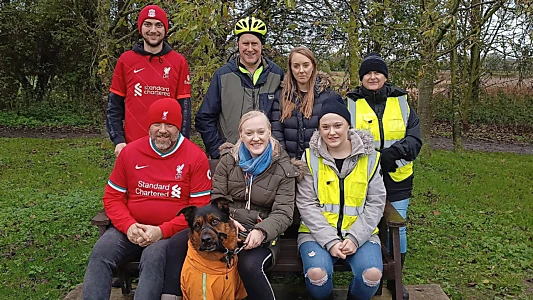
151 71
153 178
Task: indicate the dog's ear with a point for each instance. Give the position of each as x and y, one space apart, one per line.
221 203
188 212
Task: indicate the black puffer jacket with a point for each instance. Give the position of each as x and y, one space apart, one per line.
295 132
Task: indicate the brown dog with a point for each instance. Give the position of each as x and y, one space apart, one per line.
210 268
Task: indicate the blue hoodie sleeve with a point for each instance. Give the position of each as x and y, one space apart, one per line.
115 118
207 116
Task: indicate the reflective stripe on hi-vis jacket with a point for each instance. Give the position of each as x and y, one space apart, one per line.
386 131
331 189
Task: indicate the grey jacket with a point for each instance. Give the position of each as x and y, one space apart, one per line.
307 201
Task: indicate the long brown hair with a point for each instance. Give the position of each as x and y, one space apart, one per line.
290 86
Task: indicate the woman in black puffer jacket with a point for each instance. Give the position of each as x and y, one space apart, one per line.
299 108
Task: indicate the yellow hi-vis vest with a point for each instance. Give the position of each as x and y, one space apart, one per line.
390 129
329 187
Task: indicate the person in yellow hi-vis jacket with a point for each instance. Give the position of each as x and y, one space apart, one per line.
383 109
341 201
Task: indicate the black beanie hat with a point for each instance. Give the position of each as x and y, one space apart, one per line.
335 105
373 62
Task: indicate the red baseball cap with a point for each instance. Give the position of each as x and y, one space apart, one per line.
152 12
165 110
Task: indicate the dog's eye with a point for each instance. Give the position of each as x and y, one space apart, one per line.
197 226
214 222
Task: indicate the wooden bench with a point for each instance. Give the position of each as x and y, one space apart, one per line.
288 261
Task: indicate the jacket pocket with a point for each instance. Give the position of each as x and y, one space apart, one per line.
396 125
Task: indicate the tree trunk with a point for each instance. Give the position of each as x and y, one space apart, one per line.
104 51
353 43
472 95
427 75
428 71
455 92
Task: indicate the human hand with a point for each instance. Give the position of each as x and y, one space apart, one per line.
348 247
154 234
136 234
388 159
335 251
254 239
119 148
239 227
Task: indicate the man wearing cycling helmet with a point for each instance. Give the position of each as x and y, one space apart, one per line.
247 82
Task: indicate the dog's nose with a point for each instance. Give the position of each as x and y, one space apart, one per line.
206 238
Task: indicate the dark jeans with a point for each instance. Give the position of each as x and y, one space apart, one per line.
176 253
252 266
113 249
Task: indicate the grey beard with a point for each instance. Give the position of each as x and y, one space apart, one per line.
164 146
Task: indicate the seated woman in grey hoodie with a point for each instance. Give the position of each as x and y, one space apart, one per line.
341 201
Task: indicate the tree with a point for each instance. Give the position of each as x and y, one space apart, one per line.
46 48
435 21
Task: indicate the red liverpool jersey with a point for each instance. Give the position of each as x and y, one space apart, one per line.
143 79
149 187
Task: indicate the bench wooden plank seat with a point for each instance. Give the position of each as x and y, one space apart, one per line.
288 260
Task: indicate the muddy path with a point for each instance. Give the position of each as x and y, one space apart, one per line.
478 138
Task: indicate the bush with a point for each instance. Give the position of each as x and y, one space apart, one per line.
499 108
56 111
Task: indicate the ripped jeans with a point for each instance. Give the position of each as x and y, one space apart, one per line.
367 256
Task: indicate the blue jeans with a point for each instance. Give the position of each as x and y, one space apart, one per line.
401 207
113 249
367 256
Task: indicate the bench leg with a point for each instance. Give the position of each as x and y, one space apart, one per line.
125 282
397 292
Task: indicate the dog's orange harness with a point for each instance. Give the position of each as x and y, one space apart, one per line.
206 279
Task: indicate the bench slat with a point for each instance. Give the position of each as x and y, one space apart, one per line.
391 215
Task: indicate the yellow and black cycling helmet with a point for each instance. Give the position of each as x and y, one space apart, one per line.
251 25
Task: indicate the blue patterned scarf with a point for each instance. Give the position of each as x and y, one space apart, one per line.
254 166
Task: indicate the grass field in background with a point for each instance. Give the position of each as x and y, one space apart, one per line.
49 191
470 225
469 222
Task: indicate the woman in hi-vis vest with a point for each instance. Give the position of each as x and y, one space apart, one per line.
383 109
341 201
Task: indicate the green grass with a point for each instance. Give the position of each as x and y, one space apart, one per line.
49 191
469 222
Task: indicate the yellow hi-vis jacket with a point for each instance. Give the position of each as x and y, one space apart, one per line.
390 129
341 200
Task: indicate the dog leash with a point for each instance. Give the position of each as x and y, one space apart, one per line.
229 256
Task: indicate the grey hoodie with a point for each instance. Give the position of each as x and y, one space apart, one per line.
307 201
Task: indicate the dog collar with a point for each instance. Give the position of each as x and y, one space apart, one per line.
230 254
